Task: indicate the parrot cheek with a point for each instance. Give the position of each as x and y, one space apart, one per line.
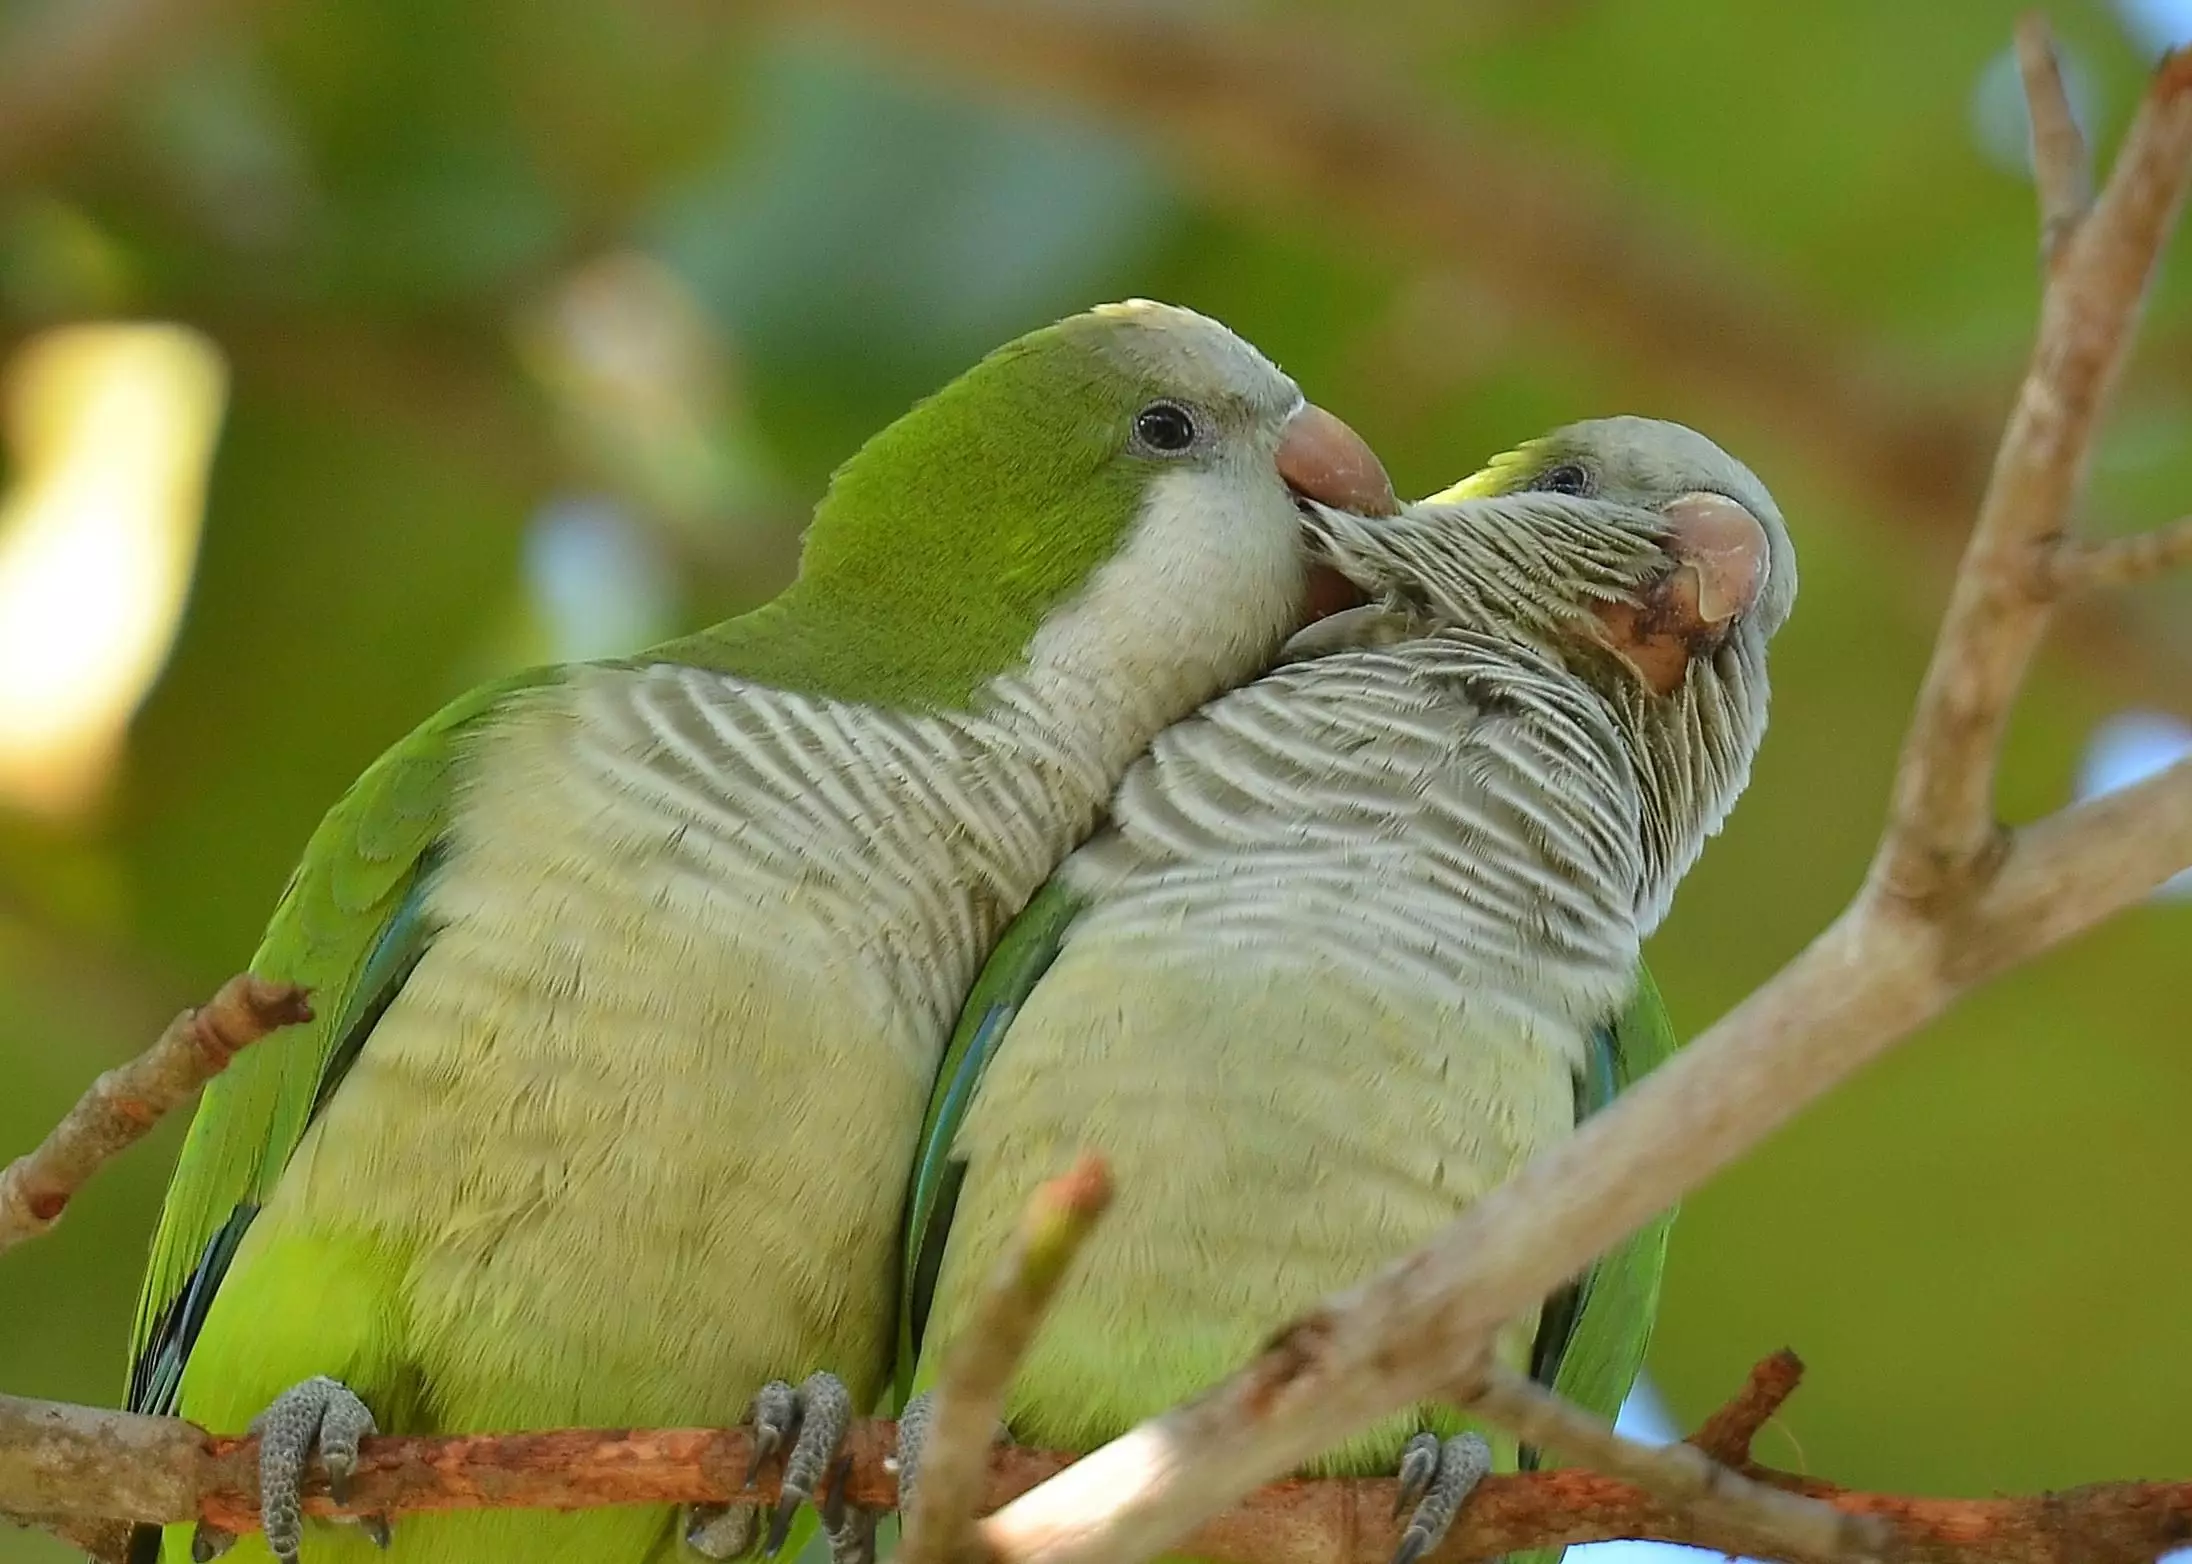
1669 628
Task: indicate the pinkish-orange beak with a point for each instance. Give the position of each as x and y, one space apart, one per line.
1322 459
1722 561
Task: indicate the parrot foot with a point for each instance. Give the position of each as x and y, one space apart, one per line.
321 1414
1436 1478
812 1418
209 1542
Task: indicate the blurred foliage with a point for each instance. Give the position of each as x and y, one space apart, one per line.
545 323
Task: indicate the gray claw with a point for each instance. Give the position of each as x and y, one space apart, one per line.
208 1543
1418 1465
320 1414
775 1417
722 1531
824 1414
1443 1475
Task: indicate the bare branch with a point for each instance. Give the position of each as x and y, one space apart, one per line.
1726 1436
1942 828
2062 167
978 1370
2085 565
128 1100
85 1464
1682 1476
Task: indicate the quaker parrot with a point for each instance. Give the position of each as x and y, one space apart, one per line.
631 978
1359 937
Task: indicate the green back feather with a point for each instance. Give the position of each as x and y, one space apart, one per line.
1619 1297
1591 1343
349 926
1013 970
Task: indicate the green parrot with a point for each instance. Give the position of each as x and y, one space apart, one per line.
1359 937
631 978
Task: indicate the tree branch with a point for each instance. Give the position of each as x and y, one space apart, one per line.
978 1369
1726 1436
2079 565
1695 1486
1942 826
2062 167
72 1469
129 1099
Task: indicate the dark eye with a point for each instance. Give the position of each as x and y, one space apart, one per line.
1567 478
1165 427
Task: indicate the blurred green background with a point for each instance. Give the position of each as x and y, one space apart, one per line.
526 330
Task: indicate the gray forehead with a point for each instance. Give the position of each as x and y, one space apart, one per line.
1189 353
1652 454
1649 460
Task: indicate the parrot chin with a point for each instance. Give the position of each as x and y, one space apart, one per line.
1661 636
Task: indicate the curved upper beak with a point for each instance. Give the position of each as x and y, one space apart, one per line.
1726 547
1322 459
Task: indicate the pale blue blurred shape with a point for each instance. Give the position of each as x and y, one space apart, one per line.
1643 1417
2127 748
2157 24
598 579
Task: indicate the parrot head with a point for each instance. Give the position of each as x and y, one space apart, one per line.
1637 554
1124 486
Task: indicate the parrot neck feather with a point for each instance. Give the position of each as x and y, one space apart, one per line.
1449 816
919 832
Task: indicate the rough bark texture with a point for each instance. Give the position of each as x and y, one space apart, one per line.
129 1099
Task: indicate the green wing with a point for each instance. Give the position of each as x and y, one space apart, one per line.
1592 1342
1015 967
350 926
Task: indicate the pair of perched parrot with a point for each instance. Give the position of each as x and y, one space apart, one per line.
642 986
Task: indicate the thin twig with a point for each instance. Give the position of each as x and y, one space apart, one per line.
129 1099
978 1368
1950 900
1682 1476
2090 564
2062 166
1727 1435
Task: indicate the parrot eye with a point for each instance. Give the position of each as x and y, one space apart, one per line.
1165 428
1567 478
